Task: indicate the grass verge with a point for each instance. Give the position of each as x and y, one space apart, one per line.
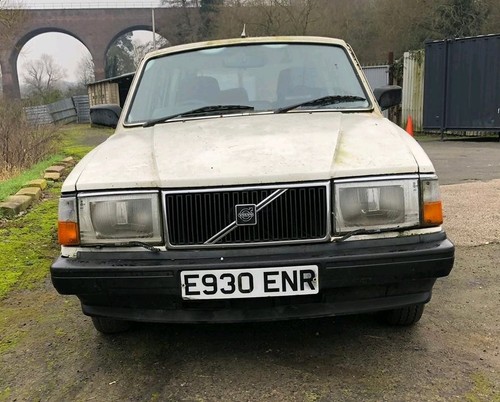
28 244
13 185
77 141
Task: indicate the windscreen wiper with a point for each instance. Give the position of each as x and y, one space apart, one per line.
323 101
205 110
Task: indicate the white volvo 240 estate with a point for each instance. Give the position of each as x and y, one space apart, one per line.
252 179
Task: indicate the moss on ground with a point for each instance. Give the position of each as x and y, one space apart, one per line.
483 390
5 394
78 140
28 245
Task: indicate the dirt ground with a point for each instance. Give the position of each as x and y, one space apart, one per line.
452 354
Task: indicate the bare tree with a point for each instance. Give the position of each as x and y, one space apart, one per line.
269 17
299 14
140 49
230 19
459 18
85 72
188 19
42 76
372 27
266 17
84 75
492 23
397 26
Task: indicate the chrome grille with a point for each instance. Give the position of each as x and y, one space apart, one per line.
206 218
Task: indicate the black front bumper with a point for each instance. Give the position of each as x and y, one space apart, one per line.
355 277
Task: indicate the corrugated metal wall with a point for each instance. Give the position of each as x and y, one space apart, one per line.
377 76
413 89
462 87
82 108
38 115
63 111
68 110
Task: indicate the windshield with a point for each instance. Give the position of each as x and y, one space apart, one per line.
255 77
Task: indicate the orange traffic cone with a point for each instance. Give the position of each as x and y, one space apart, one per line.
409 126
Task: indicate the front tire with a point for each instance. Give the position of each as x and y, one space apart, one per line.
109 325
404 316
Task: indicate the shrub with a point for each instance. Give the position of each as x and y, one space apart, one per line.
22 144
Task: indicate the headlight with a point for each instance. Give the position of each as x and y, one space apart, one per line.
377 204
116 219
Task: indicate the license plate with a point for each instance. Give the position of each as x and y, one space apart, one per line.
248 283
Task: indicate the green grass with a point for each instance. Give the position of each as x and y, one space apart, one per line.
12 186
77 141
28 244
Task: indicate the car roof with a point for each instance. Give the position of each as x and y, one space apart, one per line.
247 41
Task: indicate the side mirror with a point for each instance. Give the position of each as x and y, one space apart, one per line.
388 96
105 115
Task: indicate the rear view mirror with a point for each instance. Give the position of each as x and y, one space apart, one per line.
388 96
105 115
248 58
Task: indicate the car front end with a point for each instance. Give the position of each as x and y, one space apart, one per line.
278 191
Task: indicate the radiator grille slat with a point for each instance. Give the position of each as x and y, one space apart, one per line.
299 214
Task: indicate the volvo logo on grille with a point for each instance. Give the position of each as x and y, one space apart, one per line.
246 214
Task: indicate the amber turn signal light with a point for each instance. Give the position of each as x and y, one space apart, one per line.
432 208
68 234
433 213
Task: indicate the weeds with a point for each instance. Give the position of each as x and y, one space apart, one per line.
7 173
76 141
28 244
22 144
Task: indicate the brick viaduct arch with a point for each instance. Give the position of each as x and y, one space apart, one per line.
96 28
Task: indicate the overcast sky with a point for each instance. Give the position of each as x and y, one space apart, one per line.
66 50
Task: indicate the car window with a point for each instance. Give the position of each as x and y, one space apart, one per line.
264 76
